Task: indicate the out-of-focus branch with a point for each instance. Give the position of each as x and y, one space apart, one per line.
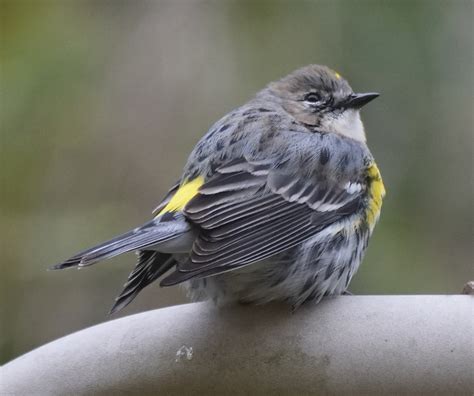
345 345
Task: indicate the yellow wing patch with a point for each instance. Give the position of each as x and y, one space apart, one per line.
185 193
376 194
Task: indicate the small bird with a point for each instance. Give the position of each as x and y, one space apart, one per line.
276 202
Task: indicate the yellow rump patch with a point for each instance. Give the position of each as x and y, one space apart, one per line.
185 193
376 194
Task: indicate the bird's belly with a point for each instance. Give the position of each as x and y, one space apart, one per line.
307 272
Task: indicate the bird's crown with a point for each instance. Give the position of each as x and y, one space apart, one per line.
315 78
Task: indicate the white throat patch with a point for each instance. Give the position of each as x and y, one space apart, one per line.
347 124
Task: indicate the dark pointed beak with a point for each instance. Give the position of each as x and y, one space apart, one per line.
357 100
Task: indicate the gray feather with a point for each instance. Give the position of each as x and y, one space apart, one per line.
150 266
148 235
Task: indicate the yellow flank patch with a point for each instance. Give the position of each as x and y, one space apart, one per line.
338 76
376 194
185 193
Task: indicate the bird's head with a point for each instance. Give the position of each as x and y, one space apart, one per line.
321 99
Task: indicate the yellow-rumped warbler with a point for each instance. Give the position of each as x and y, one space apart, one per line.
276 202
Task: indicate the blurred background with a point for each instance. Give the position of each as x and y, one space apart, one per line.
102 101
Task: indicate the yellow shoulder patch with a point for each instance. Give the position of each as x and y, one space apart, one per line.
185 193
376 194
338 76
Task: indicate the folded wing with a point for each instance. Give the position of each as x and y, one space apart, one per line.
250 211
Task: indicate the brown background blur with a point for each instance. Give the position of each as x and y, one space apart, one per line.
102 101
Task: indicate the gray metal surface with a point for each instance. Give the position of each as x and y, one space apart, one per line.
346 345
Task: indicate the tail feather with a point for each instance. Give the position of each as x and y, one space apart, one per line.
150 266
149 234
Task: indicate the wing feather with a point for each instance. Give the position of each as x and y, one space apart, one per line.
250 211
150 266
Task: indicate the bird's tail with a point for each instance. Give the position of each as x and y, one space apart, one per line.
150 266
148 235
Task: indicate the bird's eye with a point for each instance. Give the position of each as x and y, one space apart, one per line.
312 97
